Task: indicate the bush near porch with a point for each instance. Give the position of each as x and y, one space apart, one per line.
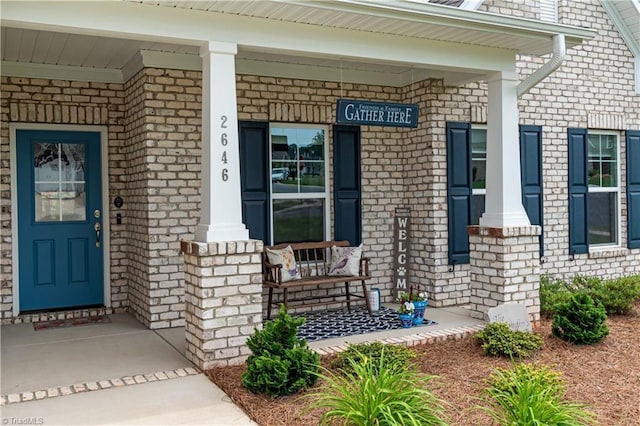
617 296
463 370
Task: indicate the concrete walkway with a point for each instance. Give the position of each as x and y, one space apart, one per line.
122 373
117 373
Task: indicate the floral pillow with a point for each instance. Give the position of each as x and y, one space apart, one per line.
285 257
345 260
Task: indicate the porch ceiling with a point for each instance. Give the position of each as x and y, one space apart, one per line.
46 54
41 44
410 18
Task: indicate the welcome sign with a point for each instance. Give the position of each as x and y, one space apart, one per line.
377 113
401 243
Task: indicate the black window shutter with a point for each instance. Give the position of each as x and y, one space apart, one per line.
346 184
633 188
459 192
578 191
254 178
531 174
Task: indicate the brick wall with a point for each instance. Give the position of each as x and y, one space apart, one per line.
32 100
604 68
529 9
427 194
154 150
164 189
154 165
135 209
504 268
593 89
223 283
383 153
154 162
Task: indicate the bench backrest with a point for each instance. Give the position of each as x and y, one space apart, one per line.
314 258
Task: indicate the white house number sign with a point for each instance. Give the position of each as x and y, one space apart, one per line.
224 141
401 243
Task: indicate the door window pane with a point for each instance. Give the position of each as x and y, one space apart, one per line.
59 182
602 217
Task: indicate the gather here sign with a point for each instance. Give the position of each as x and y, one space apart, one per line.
377 113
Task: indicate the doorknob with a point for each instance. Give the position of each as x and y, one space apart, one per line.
97 228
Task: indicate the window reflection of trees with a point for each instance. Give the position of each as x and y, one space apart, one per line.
69 154
59 181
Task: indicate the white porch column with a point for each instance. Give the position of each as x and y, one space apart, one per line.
221 215
503 194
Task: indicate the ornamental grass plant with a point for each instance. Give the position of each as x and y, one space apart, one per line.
371 393
396 357
531 395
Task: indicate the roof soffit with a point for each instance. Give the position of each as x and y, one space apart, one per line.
454 55
403 18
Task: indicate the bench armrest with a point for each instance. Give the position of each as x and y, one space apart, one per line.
364 266
272 273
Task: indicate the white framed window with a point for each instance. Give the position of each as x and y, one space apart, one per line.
603 169
478 171
299 182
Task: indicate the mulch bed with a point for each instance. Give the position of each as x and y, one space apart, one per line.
605 376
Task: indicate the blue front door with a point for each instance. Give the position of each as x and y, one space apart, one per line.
60 236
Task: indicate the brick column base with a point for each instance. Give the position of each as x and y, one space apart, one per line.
223 300
505 267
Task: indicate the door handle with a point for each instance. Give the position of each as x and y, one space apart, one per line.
98 229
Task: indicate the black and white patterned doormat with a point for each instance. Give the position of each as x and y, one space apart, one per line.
333 323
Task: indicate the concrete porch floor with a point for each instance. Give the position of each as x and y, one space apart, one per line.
124 373
117 373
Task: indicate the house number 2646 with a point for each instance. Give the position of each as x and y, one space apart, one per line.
224 141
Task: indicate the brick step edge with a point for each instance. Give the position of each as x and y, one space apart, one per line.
53 392
430 337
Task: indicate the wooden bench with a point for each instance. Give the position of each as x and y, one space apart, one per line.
314 261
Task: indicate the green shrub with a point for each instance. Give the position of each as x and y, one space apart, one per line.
499 340
621 294
531 395
280 363
372 394
617 296
552 292
580 320
396 357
